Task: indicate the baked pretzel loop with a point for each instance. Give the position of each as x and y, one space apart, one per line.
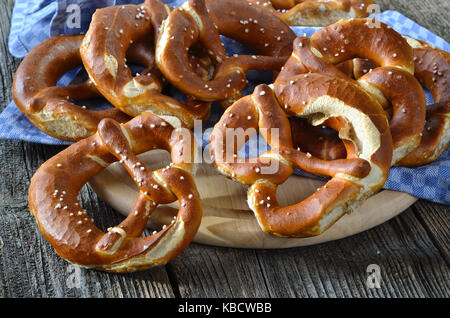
390 84
48 106
325 100
66 225
321 142
111 32
432 69
199 21
316 12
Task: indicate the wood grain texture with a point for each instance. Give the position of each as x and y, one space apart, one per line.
411 250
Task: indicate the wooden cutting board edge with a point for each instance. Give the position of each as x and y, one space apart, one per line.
227 220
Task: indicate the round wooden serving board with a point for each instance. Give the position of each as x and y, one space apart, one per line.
227 219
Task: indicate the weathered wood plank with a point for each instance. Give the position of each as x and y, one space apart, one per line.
8 63
433 15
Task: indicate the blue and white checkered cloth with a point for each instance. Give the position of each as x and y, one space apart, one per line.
36 20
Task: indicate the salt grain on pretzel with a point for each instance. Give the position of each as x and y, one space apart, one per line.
202 22
122 249
111 32
344 107
48 106
391 82
320 142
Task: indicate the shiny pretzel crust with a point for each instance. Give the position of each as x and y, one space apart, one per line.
66 225
48 106
318 98
432 69
104 55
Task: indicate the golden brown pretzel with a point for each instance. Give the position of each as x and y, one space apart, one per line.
49 107
319 141
432 69
330 101
66 225
392 81
111 32
199 22
316 12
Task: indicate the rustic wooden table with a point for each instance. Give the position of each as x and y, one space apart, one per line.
411 250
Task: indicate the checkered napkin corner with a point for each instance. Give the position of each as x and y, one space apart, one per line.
34 21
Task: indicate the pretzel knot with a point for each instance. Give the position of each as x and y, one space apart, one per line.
202 22
392 82
327 100
432 69
54 188
50 107
316 12
111 32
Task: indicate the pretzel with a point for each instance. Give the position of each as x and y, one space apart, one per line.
50 107
432 69
315 12
66 225
201 22
111 32
392 81
329 101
